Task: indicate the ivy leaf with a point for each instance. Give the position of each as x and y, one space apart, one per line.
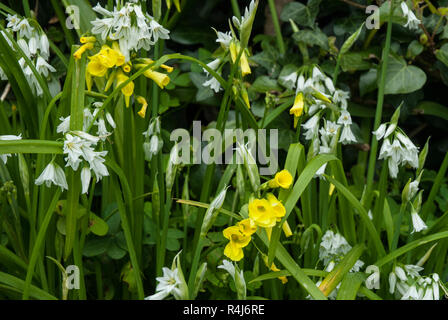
442 54
402 78
312 38
303 15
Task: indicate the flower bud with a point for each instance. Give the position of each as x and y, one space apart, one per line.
183 293
200 274
212 211
240 283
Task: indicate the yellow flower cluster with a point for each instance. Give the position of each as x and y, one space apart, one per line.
111 58
263 213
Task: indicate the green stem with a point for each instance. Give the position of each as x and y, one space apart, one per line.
379 107
236 9
278 30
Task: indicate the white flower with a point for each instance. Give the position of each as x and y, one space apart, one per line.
413 189
52 174
304 86
9 137
413 270
96 162
411 294
64 126
417 223
347 135
392 282
213 84
24 29
341 97
329 84
167 284
412 22
390 130
44 46
311 127
373 281
224 39
43 67
345 118
158 31
213 65
379 133
290 79
73 148
85 179
13 22
401 274
228 266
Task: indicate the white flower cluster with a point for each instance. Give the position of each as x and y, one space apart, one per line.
333 248
34 44
412 21
168 284
407 283
132 28
4 156
100 122
397 148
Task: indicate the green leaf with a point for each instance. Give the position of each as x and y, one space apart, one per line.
264 83
349 286
97 225
351 40
432 108
402 78
354 61
312 38
31 146
442 54
368 82
303 15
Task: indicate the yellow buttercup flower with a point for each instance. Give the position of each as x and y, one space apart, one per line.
96 68
78 53
128 89
278 209
237 241
260 211
282 179
160 78
144 104
297 108
87 39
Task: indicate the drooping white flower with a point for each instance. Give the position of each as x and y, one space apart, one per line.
224 39
52 174
345 118
213 65
412 22
341 97
290 79
43 67
158 32
64 126
379 133
85 179
417 223
213 84
311 127
228 266
347 135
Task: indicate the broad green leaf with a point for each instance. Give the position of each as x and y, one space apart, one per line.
303 15
312 38
442 54
264 83
402 78
97 225
354 61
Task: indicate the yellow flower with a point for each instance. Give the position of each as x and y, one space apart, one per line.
297 108
120 57
233 51
128 89
260 211
245 97
87 39
282 179
96 68
244 64
237 241
126 67
78 53
287 229
247 227
142 111
278 209
160 78
107 56
163 66
275 269
88 80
